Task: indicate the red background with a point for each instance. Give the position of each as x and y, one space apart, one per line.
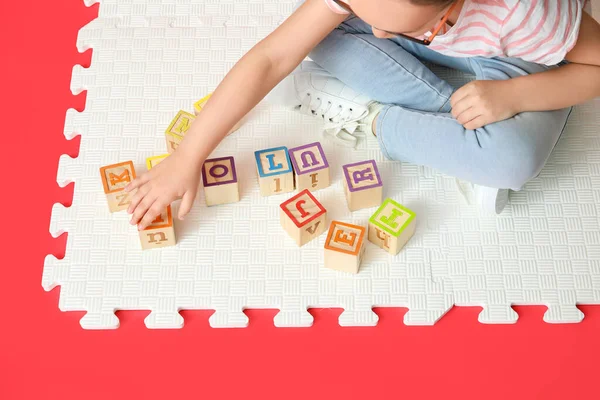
45 354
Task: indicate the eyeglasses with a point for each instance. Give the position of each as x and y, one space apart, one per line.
427 41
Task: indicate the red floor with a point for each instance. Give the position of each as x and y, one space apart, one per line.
45 354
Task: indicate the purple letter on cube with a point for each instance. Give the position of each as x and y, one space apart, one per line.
308 158
219 169
362 175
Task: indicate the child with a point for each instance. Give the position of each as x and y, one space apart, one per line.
496 132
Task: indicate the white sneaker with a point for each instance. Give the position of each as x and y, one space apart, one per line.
313 91
490 200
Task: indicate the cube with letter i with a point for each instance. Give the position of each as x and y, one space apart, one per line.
275 172
114 179
344 247
152 162
311 167
303 217
220 181
362 185
392 226
160 233
177 130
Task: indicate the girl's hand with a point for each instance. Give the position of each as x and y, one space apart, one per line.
480 103
177 176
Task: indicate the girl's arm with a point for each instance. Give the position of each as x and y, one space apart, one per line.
479 103
251 79
571 84
258 72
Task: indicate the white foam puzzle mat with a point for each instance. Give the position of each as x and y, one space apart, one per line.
152 58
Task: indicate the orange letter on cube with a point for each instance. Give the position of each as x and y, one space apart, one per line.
114 179
344 247
160 233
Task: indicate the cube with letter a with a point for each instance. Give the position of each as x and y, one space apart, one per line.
177 129
114 179
344 247
392 226
275 172
220 181
311 167
160 233
362 185
303 217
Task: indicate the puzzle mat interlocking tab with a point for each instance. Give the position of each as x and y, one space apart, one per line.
152 58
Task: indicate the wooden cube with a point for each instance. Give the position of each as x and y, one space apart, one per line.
177 130
220 181
275 173
362 185
114 179
303 217
311 167
152 162
392 226
160 233
344 247
199 105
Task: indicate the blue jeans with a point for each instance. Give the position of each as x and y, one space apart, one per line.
415 126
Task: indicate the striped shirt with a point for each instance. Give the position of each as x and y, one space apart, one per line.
540 31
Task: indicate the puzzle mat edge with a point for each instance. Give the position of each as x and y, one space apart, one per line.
100 308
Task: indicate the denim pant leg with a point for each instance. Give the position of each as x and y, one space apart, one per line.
416 127
380 69
506 154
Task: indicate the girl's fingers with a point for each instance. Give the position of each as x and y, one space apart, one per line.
142 208
461 106
468 116
153 212
137 182
459 95
186 204
137 197
476 123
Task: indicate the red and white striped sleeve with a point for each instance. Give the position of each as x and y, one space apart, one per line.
542 31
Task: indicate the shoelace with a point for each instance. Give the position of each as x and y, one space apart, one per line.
339 121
